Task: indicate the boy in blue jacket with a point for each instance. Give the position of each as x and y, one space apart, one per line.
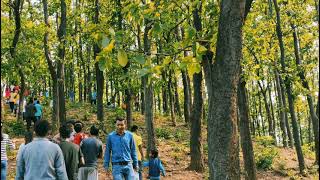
155 166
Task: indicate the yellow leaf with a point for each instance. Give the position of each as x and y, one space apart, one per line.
166 60
29 24
158 14
109 47
122 58
201 49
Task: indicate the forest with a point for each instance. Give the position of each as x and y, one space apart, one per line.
225 89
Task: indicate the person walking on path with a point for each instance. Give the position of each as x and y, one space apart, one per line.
71 153
94 97
14 96
79 136
29 114
5 142
41 159
38 113
121 146
155 166
92 150
138 143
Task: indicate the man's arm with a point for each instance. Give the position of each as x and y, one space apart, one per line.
107 153
133 152
20 167
60 165
141 152
162 169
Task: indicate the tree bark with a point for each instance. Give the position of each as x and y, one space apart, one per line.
281 111
60 63
148 93
99 73
176 97
186 96
246 142
171 101
305 84
287 84
223 140
196 148
53 73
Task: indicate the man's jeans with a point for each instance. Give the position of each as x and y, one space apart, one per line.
123 171
3 169
140 170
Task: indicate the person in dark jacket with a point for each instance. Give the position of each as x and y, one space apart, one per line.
29 114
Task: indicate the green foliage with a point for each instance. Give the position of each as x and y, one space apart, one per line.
14 128
264 157
265 141
163 133
308 150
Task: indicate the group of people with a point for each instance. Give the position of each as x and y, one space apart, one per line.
72 154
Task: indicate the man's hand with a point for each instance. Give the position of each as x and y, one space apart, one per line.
108 172
135 168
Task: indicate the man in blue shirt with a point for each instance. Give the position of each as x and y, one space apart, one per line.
121 145
94 97
41 159
38 113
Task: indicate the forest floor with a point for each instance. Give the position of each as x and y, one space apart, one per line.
173 145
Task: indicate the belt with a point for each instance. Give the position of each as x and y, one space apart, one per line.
123 163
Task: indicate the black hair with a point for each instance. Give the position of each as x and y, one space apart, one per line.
42 128
28 137
119 119
94 131
71 121
78 127
30 101
154 153
65 131
134 128
38 101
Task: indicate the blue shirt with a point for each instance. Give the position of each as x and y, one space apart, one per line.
38 110
41 159
122 148
94 95
155 167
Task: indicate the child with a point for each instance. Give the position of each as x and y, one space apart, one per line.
79 136
155 166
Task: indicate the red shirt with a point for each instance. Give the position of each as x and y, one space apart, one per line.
79 137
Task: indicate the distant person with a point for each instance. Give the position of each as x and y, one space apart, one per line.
71 96
24 104
5 143
29 114
121 149
28 137
7 94
92 150
71 153
79 136
94 97
35 100
155 166
70 125
39 111
41 159
12 100
138 143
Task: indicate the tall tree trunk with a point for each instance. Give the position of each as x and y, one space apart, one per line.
53 73
223 140
176 97
287 84
60 63
148 93
261 115
281 111
171 100
246 142
305 84
196 148
186 96
23 84
99 73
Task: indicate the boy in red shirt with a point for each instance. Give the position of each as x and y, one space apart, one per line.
79 136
